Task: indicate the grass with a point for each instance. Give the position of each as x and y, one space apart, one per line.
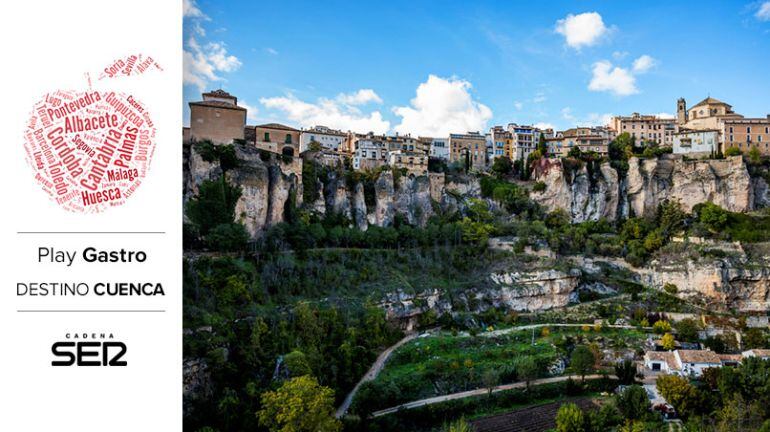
445 363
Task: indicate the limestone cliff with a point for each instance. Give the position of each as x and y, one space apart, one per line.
511 290
591 194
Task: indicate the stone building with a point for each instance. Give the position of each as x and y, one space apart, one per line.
415 163
276 138
371 152
502 143
470 147
438 148
646 128
746 133
587 139
217 118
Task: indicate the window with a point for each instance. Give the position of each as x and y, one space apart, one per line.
731 129
267 137
748 129
288 139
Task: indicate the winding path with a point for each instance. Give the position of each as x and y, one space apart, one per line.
477 392
372 372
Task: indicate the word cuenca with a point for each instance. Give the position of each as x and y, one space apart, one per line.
118 289
90 255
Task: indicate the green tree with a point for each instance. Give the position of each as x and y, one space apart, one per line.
754 338
582 361
297 364
527 369
227 237
214 205
712 216
570 418
733 151
661 326
687 330
755 157
490 378
678 392
626 371
299 405
633 402
502 166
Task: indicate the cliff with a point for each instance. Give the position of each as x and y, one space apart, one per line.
512 289
591 194
269 184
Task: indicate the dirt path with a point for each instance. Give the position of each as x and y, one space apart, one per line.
476 392
372 372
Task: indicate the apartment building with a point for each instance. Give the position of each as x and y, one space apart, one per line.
645 128
587 139
415 163
470 147
696 142
746 133
371 152
328 138
276 138
501 142
437 147
524 140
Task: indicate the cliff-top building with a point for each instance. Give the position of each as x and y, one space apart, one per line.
276 138
217 118
327 138
470 148
645 128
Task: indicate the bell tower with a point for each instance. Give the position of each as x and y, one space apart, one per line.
681 111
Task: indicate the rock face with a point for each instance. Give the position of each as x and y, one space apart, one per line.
520 291
724 182
590 194
584 196
720 284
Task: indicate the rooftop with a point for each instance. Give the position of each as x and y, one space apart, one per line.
698 356
218 104
711 101
276 126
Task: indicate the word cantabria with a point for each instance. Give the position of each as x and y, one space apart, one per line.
90 149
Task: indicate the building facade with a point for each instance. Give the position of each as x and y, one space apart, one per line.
371 152
470 147
696 142
415 163
276 138
746 134
217 118
329 139
502 143
645 128
438 148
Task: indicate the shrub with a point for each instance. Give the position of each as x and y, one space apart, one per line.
539 187
227 237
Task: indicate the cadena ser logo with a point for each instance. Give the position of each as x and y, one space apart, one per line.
89 349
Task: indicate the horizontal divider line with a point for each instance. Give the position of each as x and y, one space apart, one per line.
91 310
90 232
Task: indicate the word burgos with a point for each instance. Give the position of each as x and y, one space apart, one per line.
89 349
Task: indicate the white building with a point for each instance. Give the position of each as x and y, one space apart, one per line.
682 362
328 138
524 140
439 148
370 153
696 142
764 354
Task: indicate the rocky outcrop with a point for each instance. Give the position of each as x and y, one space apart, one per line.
514 290
589 192
724 182
719 284
585 195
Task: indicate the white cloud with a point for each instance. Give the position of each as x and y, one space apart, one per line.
251 110
595 119
518 105
539 98
644 63
616 80
566 114
361 97
619 55
664 115
581 30
544 125
442 106
763 13
271 51
191 10
202 63
333 113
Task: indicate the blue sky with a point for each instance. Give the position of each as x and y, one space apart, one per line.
428 67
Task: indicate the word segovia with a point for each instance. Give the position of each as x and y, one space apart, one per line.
603 277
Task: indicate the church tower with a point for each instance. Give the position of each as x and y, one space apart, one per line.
681 111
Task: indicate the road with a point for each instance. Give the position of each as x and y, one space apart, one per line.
372 372
476 392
